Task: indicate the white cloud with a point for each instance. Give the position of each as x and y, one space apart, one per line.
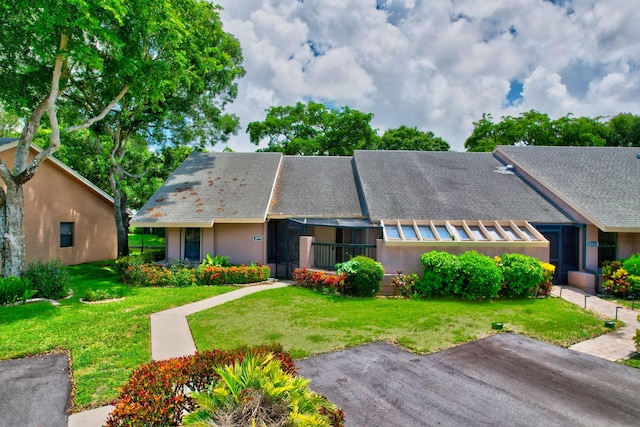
436 65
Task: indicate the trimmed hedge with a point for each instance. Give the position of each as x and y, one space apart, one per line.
363 274
521 274
211 275
178 275
441 274
156 393
319 281
481 276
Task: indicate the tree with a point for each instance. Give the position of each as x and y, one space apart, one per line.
9 124
181 101
624 130
51 49
405 138
313 130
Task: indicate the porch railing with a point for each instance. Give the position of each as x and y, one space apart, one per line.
327 255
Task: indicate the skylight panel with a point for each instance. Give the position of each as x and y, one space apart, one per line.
493 232
511 233
462 233
477 233
426 232
409 232
443 233
529 234
392 232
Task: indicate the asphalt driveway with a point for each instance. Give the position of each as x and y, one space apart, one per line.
35 391
502 380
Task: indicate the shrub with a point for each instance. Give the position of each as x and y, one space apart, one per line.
404 284
101 294
548 270
50 279
632 265
147 275
156 392
363 276
636 340
521 274
256 391
13 289
481 276
318 280
125 262
441 274
216 261
236 275
616 278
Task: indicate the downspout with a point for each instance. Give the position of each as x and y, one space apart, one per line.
584 258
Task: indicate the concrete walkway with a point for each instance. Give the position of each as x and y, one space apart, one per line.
614 345
171 336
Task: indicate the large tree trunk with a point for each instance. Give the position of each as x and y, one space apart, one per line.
12 247
122 223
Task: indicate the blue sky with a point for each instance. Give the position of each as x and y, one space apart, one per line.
437 65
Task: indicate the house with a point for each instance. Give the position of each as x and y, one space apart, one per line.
571 206
66 217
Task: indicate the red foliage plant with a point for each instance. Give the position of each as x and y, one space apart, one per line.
319 280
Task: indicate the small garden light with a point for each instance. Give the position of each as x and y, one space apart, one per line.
497 326
609 324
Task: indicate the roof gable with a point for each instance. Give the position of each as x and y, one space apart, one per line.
447 186
600 183
316 187
213 187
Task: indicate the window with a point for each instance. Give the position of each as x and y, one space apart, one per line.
511 233
426 233
607 247
462 233
493 232
392 232
409 232
66 234
477 233
192 244
443 232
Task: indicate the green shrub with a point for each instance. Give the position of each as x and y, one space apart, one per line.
363 276
404 284
521 274
13 289
441 274
636 340
632 265
257 391
101 294
616 278
481 276
125 262
50 279
215 261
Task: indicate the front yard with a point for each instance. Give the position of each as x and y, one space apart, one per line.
107 341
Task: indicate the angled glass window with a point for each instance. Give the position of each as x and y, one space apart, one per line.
528 234
443 233
493 232
511 233
462 233
409 232
426 232
392 232
477 233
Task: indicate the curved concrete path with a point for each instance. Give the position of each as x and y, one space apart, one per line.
171 336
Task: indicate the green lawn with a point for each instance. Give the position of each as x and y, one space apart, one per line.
149 240
309 323
107 341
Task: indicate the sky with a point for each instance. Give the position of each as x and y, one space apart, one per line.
436 65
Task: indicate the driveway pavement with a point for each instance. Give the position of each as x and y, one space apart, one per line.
35 391
502 380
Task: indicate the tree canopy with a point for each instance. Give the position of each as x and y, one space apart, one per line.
406 138
535 128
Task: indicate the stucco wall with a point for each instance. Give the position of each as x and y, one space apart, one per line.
236 242
53 196
407 258
628 244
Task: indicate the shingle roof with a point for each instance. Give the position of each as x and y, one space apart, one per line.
316 187
601 183
4 141
447 186
213 187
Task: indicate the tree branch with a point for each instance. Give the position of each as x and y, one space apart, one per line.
100 116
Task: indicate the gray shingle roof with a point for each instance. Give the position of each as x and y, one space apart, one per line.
447 186
209 187
316 187
601 183
4 141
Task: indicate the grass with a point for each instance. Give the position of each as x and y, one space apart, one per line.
149 240
309 323
106 341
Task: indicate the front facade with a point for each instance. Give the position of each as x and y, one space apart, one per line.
291 211
65 217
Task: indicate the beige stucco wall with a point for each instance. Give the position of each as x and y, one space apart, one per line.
407 258
236 242
590 261
53 196
628 244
